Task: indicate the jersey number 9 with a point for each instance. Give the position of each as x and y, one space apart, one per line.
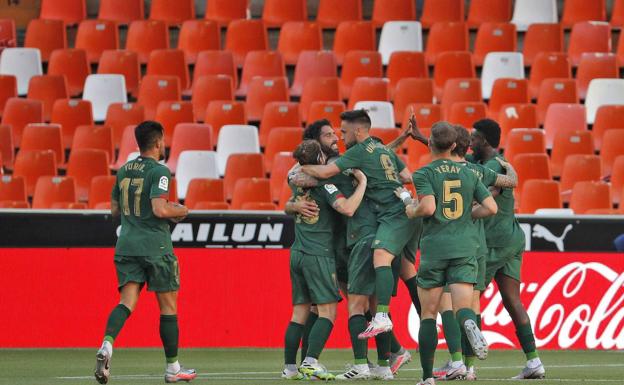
389 168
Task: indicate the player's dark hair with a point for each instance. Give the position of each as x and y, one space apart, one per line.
308 152
463 141
443 136
357 117
490 130
313 130
147 134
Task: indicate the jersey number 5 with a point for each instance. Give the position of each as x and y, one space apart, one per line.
125 191
389 168
451 197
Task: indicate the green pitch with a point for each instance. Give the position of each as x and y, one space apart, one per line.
263 366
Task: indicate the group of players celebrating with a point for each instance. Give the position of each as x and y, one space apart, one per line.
357 230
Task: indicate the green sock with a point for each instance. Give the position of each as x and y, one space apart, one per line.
395 345
383 348
116 320
291 342
318 337
357 324
384 283
527 341
452 335
169 335
413 292
306 334
427 342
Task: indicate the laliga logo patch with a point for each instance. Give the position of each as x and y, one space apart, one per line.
331 188
163 184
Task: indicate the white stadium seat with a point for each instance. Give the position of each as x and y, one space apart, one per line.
602 92
102 91
381 113
527 12
23 63
399 36
236 139
195 164
499 65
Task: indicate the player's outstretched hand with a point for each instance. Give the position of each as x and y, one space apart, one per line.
308 209
401 190
413 129
359 175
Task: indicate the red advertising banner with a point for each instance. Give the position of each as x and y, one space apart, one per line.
241 298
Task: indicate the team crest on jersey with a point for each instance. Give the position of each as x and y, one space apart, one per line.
331 188
163 184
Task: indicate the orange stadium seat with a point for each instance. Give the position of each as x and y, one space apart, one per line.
511 116
588 195
215 63
332 12
122 62
8 89
204 190
263 90
172 12
51 190
7 150
570 143
494 37
452 65
198 35
446 36
187 137
460 90
13 188
326 110
311 65
525 141
32 164
589 37
121 115
73 64
222 112
241 166
358 64
207 205
542 38
607 116
155 89
619 52
296 37
617 180
95 137
169 62
208 88
7 33
467 113
121 11
46 35
508 91
285 195
127 146
96 36
278 114
563 117
250 190
387 135
555 91
281 139
71 113
425 114
617 14
18 113
244 36
405 64
488 11
611 148
47 89
171 113
260 63
393 10
441 10
14 205
224 11
539 194
282 163
144 36
548 65
100 190
369 89
83 165
578 168
39 137
411 90
277 12
595 66
321 89
264 206
531 166
353 36
70 11
575 11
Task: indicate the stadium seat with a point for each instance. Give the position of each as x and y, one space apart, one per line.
528 12
189 136
263 90
155 89
516 116
311 65
7 150
285 195
122 62
619 52
563 117
371 89
578 168
7 33
121 11
244 36
208 88
18 113
452 65
323 89
607 116
281 139
70 11
386 135
575 11
380 113
83 165
100 190
589 36
121 115
32 164
296 37
13 188
531 166
73 64
542 38
47 89
39 137
144 36
569 143
23 63
589 195
404 64
617 15
193 165
460 90
411 90
97 36
222 112
467 113
392 10
215 63
171 113
282 163
45 35
250 190
358 64
507 91
69 114
525 141
236 139
611 148
241 166
95 137
435 11
259 206
353 36
53 189
539 194
555 90
326 110
8 89
446 36
426 115
14 205
399 36
488 11
494 37
277 12
603 92
204 190
172 12
207 205
278 114
499 65
548 65
617 180
332 12
594 66
609 211
127 147
169 62
196 36
260 63
224 11
102 90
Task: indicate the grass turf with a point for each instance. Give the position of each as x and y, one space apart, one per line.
263 366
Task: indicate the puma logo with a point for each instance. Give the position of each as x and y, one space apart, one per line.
540 231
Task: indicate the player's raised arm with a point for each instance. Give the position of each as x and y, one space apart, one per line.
348 206
321 171
506 181
301 179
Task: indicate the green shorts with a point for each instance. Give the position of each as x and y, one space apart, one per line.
480 285
506 260
361 269
440 272
411 248
161 273
342 264
394 229
313 279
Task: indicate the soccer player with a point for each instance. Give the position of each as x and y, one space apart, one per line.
312 266
449 241
144 253
505 242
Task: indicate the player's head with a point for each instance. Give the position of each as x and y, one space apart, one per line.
309 152
322 131
463 141
354 124
486 136
150 136
443 137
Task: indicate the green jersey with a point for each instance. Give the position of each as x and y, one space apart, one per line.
142 233
344 183
450 232
488 178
